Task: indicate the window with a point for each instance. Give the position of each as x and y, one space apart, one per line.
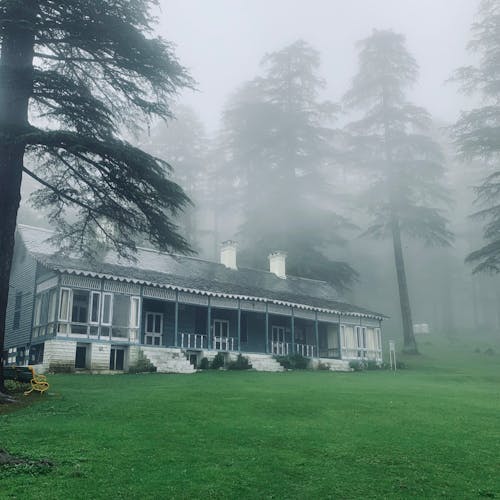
154 328
135 303
17 310
95 305
80 306
64 304
107 309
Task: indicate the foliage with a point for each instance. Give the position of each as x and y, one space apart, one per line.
391 144
61 367
97 67
219 361
240 363
476 131
278 140
204 364
143 365
293 362
13 386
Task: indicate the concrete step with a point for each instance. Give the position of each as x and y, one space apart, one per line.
168 360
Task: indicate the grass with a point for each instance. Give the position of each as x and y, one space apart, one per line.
427 432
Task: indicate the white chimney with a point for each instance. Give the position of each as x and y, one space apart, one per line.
228 254
277 264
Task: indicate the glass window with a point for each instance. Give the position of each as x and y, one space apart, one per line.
80 309
134 312
95 303
64 304
121 310
107 308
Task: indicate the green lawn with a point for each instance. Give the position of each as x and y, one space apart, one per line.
430 431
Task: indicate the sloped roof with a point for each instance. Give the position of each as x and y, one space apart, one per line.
196 275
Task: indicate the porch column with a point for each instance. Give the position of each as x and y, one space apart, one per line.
176 319
267 328
239 325
316 331
292 322
209 324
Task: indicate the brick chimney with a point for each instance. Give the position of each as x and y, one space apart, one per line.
277 264
228 254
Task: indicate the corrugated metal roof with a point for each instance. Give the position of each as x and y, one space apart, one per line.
195 275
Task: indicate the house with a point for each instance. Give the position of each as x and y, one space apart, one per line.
67 313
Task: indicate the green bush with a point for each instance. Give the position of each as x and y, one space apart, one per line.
143 365
293 362
13 386
204 364
241 363
323 367
218 361
357 365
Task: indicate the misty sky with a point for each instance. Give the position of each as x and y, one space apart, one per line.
222 42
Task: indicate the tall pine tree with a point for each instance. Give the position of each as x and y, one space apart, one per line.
477 132
280 141
403 165
72 73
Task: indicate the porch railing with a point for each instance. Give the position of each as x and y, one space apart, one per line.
280 348
223 343
193 340
362 353
305 350
331 352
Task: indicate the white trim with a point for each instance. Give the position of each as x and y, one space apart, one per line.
91 307
224 295
103 300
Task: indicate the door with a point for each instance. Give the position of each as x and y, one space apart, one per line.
117 358
154 328
278 340
81 357
221 334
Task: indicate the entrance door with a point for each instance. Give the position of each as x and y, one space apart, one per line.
81 357
221 334
278 340
154 328
116 358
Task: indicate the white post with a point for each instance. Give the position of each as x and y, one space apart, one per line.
392 355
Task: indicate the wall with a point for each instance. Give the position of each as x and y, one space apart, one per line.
22 279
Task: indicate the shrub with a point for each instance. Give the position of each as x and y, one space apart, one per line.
241 363
218 361
204 364
293 362
357 365
489 351
61 368
323 366
13 386
371 364
143 365
477 350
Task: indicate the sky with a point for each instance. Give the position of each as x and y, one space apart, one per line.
222 42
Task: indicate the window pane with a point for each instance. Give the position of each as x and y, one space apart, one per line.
121 310
80 306
64 306
106 309
96 300
134 312
149 323
157 323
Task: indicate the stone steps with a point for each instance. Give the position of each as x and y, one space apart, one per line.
264 363
168 360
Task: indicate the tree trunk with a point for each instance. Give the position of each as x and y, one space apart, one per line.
16 87
410 345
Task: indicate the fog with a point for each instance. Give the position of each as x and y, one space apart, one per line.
223 41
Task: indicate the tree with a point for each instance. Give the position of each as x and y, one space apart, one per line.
477 132
403 164
279 142
183 143
72 73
